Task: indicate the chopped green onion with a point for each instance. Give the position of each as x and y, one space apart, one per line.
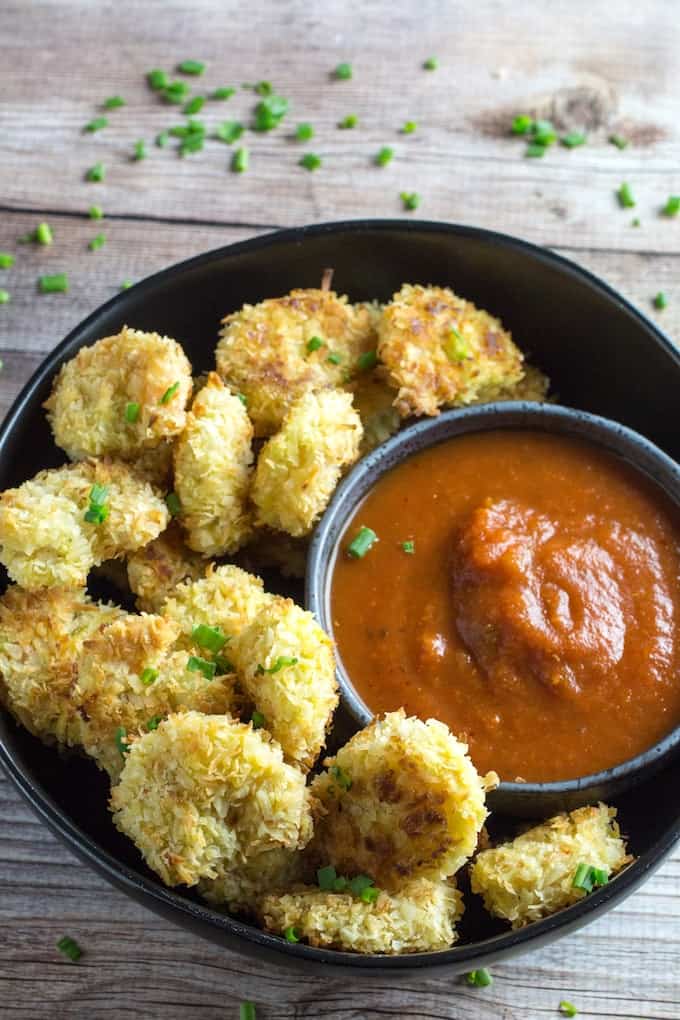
314 343
264 88
340 884
479 978
341 777
132 412
533 151
139 150
522 124
291 935
229 131
157 79
194 105
96 172
410 200
660 300
335 359
4 297
343 72
173 504
280 663
126 284
191 67
384 156
192 143
95 212
243 398
573 139
211 638
6 260
409 547
96 125
326 878
567 1008
223 665
431 64
43 234
370 894
148 676
258 720
175 92
154 722
162 139
358 884
625 196
69 947
456 347
195 664
409 127
587 877
350 121
361 543
543 132
269 112
169 393
303 132
672 206
310 161
97 242
635 222
99 493
114 102
55 284
619 141
240 160
600 876
96 514
121 741
223 93
246 1011
367 361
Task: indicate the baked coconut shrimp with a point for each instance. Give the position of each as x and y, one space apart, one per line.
213 470
155 571
286 665
120 396
202 793
374 400
533 385
130 677
299 468
42 634
242 887
401 800
421 917
58 525
440 350
284 347
227 598
533 875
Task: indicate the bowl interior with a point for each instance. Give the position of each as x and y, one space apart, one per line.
602 355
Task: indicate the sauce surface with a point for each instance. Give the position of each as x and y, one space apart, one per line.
539 613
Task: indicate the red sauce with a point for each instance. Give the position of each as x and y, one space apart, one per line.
538 616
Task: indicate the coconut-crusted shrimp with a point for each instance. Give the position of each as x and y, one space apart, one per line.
155 571
440 350
276 351
42 634
533 875
299 468
533 385
48 534
202 793
400 800
227 598
213 470
120 396
374 400
286 664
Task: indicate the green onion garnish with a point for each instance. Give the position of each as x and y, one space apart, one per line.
169 393
335 359
97 511
340 884
314 343
258 720
6 260
310 161
567 1008
173 504
195 105
291 935
533 151
635 222
479 978
157 79
660 300
456 347
96 125
303 132
95 212
269 112
246 1011
175 92
672 206
358 884
410 200
99 493
43 234
97 242
370 894
55 284
625 196
229 131
132 412
195 664
148 676
361 543
240 160
587 877
153 722
409 127
409 547
384 156
350 121
280 663
367 361
522 124
243 398
343 72
192 143
223 665
69 947
162 139
191 67
4 297
223 93
263 88
96 172
126 284
573 139
543 132
341 777
431 64
619 141
121 741
326 878
211 638
114 102
139 151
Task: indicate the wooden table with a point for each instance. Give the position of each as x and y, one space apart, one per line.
609 69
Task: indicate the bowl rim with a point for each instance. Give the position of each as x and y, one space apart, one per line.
150 890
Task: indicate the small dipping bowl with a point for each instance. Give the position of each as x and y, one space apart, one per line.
520 799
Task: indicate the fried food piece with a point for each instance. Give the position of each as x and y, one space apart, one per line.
88 406
534 385
242 888
203 792
263 350
532 876
131 676
213 470
286 664
299 468
42 634
400 800
421 917
44 537
441 350
227 597
155 571
374 400
274 549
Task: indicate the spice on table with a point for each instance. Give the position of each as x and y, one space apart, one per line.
384 156
410 200
96 172
240 160
114 103
95 212
229 131
625 196
126 284
409 127
96 125
97 242
69 947
6 260
619 141
350 121
43 234
157 79
480 978
175 92
139 150
672 206
246 1011
660 300
191 67
269 112
521 124
343 72
310 161
361 543
304 132
195 105
5 297
573 139
431 64
567 1008
226 92
57 283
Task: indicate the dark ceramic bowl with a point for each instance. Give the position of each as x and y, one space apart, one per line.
523 800
603 356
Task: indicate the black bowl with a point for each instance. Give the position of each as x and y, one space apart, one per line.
603 356
520 800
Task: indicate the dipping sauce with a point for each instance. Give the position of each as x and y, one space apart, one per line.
538 614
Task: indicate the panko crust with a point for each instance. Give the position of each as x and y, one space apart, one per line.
421 917
534 385
286 665
532 876
242 888
299 468
213 471
374 400
414 808
417 329
263 353
42 634
44 537
87 406
155 571
203 793
227 597
112 694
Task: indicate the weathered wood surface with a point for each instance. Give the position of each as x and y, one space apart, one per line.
612 67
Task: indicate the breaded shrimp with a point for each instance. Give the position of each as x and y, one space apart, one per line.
155 571
120 396
401 800
227 597
242 887
202 793
213 470
41 639
44 537
374 400
441 350
534 385
420 917
278 350
130 676
299 468
533 875
286 664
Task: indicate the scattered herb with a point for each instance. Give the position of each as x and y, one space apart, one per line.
240 160
326 878
409 547
660 300
139 150
350 121
567 1008
55 284
148 676
5 297
175 92
587 877
456 347
132 412
291 935
211 638
341 777
258 720
343 72
521 124
98 511
314 343
43 234
361 543
96 125
431 64
635 222
410 200
625 196
173 504
69 947
573 139
6 260
543 132
195 664
264 88
195 105
310 161
384 156
169 393
97 242
95 212
157 79
409 127
269 112
304 132
282 662
619 141
192 143
534 151
154 722
223 665
126 284
229 131
114 103
246 1011
223 93
335 359
672 206
121 741
479 978
191 67
96 172
367 361
162 139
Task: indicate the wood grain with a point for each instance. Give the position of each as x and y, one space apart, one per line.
607 68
